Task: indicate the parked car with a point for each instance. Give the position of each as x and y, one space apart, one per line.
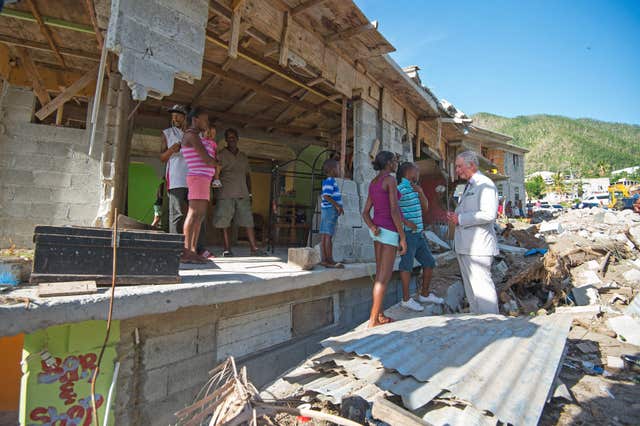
587 205
543 207
558 208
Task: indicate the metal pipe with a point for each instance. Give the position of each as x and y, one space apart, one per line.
97 97
49 21
110 394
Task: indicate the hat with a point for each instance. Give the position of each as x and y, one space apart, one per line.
178 108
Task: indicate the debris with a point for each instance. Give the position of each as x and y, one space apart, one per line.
67 288
551 227
590 368
391 414
631 361
627 327
533 251
615 362
304 257
586 295
632 276
455 296
562 391
511 249
587 347
432 237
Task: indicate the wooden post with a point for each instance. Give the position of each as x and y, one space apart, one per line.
343 136
284 40
234 39
59 113
36 80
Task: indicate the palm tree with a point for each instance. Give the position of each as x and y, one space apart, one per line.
558 184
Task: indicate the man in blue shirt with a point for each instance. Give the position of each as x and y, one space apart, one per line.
331 209
413 204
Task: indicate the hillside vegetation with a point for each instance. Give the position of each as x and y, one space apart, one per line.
585 146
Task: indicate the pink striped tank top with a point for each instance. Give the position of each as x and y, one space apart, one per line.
197 167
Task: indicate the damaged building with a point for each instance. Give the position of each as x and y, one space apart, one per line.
85 89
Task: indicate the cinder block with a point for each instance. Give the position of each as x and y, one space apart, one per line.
191 372
303 257
155 384
207 338
85 181
168 349
82 213
162 412
51 179
16 177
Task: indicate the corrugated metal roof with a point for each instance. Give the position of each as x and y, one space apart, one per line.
502 365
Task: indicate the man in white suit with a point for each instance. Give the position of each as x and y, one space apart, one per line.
475 237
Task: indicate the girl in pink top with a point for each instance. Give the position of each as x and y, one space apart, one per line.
199 154
386 229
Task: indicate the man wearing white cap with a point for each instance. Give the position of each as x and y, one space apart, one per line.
176 173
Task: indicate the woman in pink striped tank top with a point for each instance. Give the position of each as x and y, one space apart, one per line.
200 156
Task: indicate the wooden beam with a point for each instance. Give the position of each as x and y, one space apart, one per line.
305 6
46 32
283 59
251 121
44 47
343 137
234 39
59 115
213 80
225 13
392 414
36 80
271 49
94 21
244 81
69 93
289 108
248 56
236 4
351 32
316 81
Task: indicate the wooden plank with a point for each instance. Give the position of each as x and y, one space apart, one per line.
59 115
46 32
283 60
44 47
351 32
305 6
67 288
71 91
236 4
236 17
36 80
244 81
221 11
91 11
392 414
213 80
343 137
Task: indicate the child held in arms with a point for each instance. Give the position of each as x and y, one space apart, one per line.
331 209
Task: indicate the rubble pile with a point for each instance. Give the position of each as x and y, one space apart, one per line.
582 257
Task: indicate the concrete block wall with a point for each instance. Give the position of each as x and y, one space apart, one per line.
165 358
46 176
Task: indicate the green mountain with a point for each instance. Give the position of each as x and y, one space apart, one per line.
557 143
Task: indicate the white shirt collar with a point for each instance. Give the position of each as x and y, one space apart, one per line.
474 179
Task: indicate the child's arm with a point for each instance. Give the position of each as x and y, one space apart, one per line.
337 206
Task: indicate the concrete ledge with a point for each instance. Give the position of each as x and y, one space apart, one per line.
231 280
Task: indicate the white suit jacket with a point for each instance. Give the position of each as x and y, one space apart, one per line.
477 213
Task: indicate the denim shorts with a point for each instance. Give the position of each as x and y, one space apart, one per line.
328 220
417 248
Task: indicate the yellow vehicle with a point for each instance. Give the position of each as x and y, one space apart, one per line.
623 188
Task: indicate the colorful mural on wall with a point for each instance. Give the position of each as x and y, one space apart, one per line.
58 363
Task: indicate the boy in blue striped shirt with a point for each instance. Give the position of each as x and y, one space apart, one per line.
331 209
413 204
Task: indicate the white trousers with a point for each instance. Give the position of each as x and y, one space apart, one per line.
478 285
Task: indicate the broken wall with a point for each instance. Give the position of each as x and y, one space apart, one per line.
165 358
46 176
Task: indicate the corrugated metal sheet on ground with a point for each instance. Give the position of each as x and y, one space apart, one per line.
502 365
333 385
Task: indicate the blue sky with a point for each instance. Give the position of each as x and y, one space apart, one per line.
576 58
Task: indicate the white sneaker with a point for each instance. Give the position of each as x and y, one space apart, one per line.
412 305
216 183
431 298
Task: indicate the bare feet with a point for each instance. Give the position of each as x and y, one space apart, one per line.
382 319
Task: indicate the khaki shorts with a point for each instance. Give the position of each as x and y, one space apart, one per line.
237 209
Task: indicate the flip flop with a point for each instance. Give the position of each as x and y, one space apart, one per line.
336 265
259 253
227 253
